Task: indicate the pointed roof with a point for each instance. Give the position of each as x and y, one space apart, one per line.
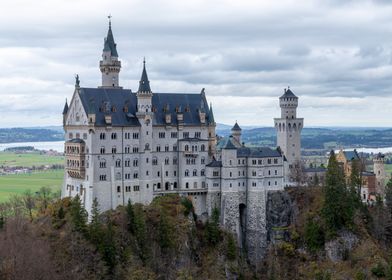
144 84
229 145
236 127
288 93
65 110
109 44
211 115
351 155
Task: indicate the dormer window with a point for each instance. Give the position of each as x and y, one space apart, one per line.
114 108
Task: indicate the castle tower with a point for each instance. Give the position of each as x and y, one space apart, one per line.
236 133
144 113
289 128
110 65
381 176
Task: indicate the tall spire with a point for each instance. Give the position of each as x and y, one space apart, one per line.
144 83
110 66
211 115
109 44
65 110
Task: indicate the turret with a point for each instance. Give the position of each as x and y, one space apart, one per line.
288 128
144 93
236 132
110 65
381 176
65 111
288 103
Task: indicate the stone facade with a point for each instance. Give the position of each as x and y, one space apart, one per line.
122 145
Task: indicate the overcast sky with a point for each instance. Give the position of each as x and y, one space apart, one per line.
335 55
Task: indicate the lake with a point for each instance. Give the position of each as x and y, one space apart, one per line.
51 145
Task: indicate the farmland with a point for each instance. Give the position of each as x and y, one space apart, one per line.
19 183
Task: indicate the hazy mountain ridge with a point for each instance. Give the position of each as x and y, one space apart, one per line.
312 137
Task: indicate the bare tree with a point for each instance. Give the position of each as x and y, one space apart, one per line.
297 174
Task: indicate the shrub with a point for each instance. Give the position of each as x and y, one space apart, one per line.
378 270
314 235
231 248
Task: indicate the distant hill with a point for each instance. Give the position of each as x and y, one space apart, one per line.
319 138
13 135
312 137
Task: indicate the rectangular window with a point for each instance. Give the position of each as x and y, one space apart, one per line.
173 135
185 135
136 188
197 134
161 135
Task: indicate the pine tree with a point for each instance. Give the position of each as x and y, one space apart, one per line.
231 248
140 231
107 247
338 209
355 181
95 227
165 232
388 196
78 215
212 227
131 217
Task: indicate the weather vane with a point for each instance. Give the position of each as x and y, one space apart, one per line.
110 19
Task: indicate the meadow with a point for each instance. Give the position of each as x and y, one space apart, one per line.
28 159
19 183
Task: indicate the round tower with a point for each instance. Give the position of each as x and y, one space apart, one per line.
289 127
110 66
379 170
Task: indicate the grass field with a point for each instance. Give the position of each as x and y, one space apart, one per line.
17 184
29 159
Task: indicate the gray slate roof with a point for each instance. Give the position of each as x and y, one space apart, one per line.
75 140
215 163
350 155
65 110
109 44
258 152
288 93
236 127
103 100
144 83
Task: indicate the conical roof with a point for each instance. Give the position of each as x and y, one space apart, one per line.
144 83
65 110
211 116
109 44
236 127
288 93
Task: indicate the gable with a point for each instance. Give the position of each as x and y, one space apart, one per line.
76 114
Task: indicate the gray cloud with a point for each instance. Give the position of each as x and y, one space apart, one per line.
336 55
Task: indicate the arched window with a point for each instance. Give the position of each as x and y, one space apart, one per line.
118 163
194 173
202 148
118 189
187 173
186 148
147 146
102 150
187 185
202 172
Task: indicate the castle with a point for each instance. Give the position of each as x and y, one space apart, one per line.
122 145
